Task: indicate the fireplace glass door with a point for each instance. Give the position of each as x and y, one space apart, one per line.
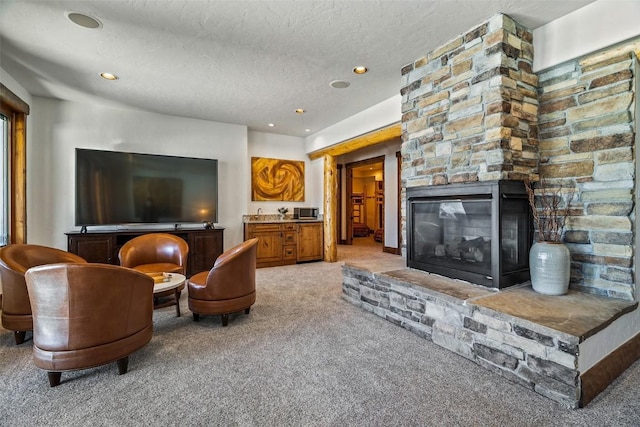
449 233
482 238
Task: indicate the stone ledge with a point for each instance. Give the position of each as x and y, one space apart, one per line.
529 338
576 313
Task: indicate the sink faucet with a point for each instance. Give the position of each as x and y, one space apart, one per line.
259 211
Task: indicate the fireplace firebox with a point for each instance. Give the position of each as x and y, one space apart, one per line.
479 232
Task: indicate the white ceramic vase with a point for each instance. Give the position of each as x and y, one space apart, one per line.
550 265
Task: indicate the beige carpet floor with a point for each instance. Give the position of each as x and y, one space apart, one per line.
302 357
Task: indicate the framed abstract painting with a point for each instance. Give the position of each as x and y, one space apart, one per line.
277 180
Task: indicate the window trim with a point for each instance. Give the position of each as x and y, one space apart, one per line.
16 110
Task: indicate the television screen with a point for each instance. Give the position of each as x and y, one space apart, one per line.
114 187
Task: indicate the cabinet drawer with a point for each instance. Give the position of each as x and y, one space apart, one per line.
290 227
289 253
289 238
256 228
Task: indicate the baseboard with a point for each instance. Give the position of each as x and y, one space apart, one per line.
603 373
390 250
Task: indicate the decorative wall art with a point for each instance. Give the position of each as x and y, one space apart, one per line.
276 179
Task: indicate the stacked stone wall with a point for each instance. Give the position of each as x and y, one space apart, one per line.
473 110
470 108
586 141
536 357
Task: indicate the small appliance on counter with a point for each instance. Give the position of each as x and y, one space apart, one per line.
305 213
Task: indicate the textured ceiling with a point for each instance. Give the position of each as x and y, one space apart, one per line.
244 62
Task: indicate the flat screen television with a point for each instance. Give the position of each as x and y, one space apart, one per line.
114 187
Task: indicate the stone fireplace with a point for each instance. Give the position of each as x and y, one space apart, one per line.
478 232
474 111
470 129
476 122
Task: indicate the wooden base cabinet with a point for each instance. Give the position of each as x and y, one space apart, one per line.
310 242
270 243
204 249
284 243
205 246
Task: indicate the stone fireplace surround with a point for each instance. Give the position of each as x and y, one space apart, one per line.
473 110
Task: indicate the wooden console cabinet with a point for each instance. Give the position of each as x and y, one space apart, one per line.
102 246
284 243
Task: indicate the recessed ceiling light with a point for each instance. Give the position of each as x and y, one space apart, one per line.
271 125
307 130
109 76
360 69
300 111
84 20
339 84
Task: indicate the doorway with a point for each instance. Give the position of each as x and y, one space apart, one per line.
364 201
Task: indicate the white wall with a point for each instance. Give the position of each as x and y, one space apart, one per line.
598 25
380 115
58 127
14 87
288 148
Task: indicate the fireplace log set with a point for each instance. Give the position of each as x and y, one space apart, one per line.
477 250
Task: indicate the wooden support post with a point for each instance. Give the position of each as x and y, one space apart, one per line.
18 215
330 208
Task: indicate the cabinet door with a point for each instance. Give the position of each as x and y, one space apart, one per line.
204 249
94 248
270 243
269 246
310 242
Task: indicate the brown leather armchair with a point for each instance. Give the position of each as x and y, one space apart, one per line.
86 315
229 287
156 253
15 260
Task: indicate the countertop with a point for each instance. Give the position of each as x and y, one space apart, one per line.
275 218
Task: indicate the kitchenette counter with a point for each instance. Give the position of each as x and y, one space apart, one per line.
283 241
274 218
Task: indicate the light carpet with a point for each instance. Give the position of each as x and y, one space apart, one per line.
302 357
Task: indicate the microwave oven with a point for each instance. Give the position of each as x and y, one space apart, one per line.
305 213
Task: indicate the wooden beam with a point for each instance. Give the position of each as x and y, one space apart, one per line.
362 141
330 208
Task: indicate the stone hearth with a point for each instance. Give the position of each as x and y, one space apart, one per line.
540 342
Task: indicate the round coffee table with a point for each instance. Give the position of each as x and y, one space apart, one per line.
174 281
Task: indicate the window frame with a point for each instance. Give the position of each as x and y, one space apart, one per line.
16 110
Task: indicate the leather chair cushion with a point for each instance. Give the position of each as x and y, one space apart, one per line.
159 267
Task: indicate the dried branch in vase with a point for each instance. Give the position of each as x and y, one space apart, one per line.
550 208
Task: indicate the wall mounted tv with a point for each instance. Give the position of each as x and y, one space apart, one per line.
114 187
